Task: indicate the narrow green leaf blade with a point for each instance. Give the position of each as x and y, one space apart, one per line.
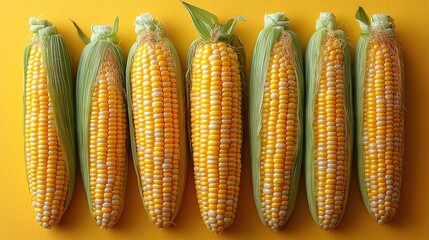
203 21
230 24
80 33
362 19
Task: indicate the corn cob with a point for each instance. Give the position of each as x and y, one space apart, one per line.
328 122
379 115
102 126
275 120
49 129
156 108
216 69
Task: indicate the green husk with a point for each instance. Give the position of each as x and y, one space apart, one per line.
103 38
359 74
211 31
380 26
146 24
275 24
324 24
57 61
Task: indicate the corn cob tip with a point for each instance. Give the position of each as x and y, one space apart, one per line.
102 32
36 24
105 32
382 22
326 20
277 19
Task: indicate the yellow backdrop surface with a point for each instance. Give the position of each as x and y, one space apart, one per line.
16 213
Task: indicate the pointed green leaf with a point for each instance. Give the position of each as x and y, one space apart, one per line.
115 27
362 20
81 34
204 21
230 24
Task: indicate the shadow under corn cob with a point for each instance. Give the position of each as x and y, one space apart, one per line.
102 124
156 108
276 120
49 127
216 70
379 109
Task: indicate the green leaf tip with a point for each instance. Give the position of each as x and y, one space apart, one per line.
362 19
80 33
206 23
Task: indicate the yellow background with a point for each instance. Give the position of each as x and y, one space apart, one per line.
16 213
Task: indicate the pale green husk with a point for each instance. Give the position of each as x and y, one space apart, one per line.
325 23
57 61
146 24
275 24
90 60
380 24
210 30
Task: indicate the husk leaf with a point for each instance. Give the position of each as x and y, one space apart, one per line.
208 25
